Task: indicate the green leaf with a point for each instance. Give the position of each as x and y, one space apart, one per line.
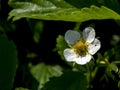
108 54
61 45
112 4
62 10
119 84
8 63
21 88
68 81
110 74
43 72
6 26
37 28
112 67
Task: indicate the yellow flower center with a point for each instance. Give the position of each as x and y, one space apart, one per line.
80 47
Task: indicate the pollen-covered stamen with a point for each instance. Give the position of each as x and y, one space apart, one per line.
80 47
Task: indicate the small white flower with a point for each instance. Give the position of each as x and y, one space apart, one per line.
83 46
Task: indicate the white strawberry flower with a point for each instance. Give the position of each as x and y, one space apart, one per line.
83 46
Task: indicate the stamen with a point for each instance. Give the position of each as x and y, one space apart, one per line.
80 48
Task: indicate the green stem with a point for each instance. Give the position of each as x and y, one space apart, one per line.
89 75
77 26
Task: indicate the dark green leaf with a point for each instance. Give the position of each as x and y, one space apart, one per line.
6 26
8 63
110 74
68 81
108 54
112 4
112 67
42 73
37 28
118 84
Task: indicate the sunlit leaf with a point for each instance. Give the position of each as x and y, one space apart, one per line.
68 81
8 63
62 10
43 72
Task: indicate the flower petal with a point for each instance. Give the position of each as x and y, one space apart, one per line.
83 59
72 36
94 46
69 55
89 34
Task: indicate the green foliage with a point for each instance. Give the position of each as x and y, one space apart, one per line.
108 54
62 10
6 26
37 28
21 88
35 49
119 84
60 45
8 63
68 81
110 67
43 72
112 4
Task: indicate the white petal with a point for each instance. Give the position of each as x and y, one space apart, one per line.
69 55
72 36
89 34
94 46
84 59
